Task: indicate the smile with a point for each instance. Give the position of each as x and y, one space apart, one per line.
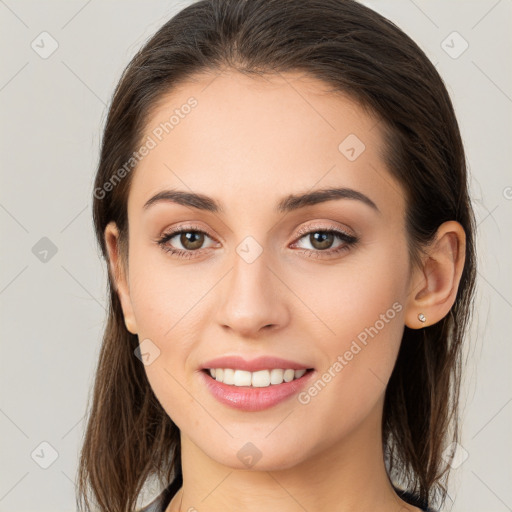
246 396
258 379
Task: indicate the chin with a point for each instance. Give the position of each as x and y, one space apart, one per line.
259 456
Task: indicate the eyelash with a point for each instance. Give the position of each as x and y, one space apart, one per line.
349 241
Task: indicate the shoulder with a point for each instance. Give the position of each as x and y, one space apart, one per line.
161 502
414 500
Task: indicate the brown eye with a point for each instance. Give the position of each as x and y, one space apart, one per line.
322 242
321 239
192 240
186 241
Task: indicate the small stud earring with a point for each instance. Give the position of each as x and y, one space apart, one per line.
421 317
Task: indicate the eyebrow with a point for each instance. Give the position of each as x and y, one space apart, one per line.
287 204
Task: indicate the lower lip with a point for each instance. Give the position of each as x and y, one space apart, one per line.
248 398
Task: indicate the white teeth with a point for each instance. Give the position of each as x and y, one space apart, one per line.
288 375
242 378
259 379
276 376
229 376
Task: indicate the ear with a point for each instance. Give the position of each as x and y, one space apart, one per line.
433 288
118 274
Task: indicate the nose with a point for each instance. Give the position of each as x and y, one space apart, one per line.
252 298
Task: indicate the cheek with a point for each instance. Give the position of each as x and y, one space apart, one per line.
166 300
361 307
361 298
164 294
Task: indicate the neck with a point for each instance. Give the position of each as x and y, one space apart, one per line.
347 476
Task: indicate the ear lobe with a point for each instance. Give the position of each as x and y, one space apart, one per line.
434 286
118 275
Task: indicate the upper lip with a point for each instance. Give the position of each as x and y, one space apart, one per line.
253 365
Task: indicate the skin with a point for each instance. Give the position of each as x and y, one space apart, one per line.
248 143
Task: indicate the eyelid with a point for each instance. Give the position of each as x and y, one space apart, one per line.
187 227
302 231
319 227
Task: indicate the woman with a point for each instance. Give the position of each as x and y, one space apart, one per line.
282 202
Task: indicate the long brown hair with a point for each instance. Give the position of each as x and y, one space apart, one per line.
354 50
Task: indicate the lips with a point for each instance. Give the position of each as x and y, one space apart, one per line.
253 399
254 365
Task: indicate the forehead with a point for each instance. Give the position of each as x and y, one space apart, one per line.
243 139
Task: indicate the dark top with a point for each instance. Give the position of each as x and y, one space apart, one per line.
161 502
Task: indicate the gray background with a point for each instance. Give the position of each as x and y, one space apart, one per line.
53 303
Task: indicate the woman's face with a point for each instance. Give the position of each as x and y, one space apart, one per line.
260 276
